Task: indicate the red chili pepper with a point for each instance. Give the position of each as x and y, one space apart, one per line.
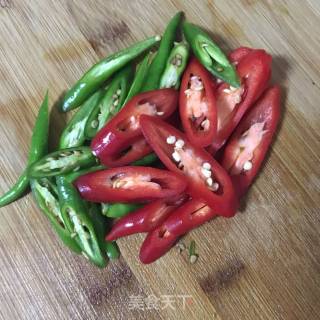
254 69
197 105
187 217
207 179
249 144
117 137
238 54
144 219
130 184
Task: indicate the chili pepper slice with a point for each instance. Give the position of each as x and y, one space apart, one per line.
130 184
77 218
94 78
175 66
208 181
197 105
38 148
254 70
140 75
111 103
238 54
120 141
144 219
119 210
74 133
249 144
62 162
187 217
210 55
158 64
46 197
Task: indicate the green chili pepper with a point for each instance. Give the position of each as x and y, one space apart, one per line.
76 216
94 78
139 77
158 64
148 159
101 225
176 64
38 148
111 103
104 208
210 55
63 162
46 196
112 250
118 210
73 135
75 175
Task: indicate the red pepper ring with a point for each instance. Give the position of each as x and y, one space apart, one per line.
124 128
130 184
187 217
144 219
197 104
249 144
207 180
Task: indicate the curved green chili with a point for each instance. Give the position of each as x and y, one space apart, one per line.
112 250
46 196
146 160
118 210
139 77
94 78
111 103
210 55
38 148
76 215
158 64
62 162
74 133
175 66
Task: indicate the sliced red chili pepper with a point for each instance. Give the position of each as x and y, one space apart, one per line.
144 219
197 104
137 149
249 144
124 129
187 217
130 184
254 69
238 54
207 179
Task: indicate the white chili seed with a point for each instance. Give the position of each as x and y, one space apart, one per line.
205 124
215 186
160 113
206 165
247 166
179 144
226 90
116 102
193 259
206 173
209 182
118 92
171 140
176 156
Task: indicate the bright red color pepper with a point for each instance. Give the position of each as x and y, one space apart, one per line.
208 181
197 104
144 219
238 54
254 70
249 144
187 217
116 138
130 184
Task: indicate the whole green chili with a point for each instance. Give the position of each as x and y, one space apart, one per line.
94 78
158 64
38 148
210 55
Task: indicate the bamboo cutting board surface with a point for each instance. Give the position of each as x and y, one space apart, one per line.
262 264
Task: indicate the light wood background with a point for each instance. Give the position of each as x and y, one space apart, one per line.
263 264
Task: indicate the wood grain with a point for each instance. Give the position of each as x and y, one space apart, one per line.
262 264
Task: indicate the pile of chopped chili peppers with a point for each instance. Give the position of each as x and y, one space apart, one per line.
162 142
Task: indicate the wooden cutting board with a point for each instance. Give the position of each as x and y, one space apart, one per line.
262 264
